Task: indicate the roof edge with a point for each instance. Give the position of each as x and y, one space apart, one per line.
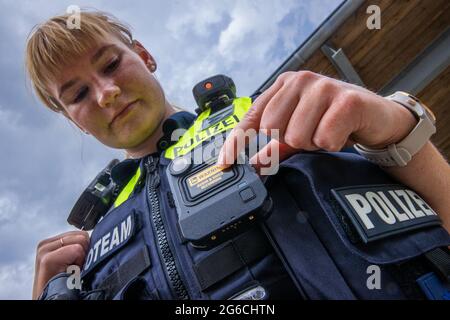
314 41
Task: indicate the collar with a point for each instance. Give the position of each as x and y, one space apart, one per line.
124 170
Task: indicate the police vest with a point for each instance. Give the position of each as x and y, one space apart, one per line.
341 228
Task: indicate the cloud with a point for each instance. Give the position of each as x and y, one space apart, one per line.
249 32
7 208
17 279
201 24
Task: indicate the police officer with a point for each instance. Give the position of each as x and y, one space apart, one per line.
102 80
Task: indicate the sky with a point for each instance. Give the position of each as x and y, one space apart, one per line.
46 162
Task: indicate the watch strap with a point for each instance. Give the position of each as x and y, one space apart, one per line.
401 153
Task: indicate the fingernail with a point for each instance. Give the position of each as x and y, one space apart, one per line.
220 160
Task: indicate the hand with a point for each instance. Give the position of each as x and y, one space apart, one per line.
53 256
314 112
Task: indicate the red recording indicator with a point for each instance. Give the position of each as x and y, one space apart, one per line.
208 85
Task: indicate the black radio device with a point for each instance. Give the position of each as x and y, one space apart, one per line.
95 200
215 204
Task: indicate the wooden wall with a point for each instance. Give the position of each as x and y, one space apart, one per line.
407 28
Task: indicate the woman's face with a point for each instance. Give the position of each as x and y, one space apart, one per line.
111 93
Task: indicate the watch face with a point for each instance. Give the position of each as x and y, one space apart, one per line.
427 110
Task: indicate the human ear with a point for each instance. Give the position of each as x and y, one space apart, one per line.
144 55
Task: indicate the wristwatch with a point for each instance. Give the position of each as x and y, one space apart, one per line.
399 154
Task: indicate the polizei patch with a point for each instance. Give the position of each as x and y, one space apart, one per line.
380 211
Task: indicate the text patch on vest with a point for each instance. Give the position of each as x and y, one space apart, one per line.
380 211
109 242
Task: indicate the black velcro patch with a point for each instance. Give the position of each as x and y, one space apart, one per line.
107 241
381 211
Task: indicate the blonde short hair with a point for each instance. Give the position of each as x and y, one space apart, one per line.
52 45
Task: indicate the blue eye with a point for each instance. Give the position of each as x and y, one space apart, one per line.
81 94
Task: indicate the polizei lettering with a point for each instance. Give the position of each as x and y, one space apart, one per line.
384 210
186 144
109 241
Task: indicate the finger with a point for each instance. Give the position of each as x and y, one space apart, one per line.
54 243
306 117
251 120
52 239
81 238
335 127
58 260
279 109
272 154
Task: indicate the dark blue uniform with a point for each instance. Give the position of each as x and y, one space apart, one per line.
341 229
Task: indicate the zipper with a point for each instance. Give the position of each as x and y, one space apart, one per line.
164 250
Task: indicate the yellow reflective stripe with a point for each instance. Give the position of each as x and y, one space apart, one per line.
241 106
185 139
194 136
125 193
